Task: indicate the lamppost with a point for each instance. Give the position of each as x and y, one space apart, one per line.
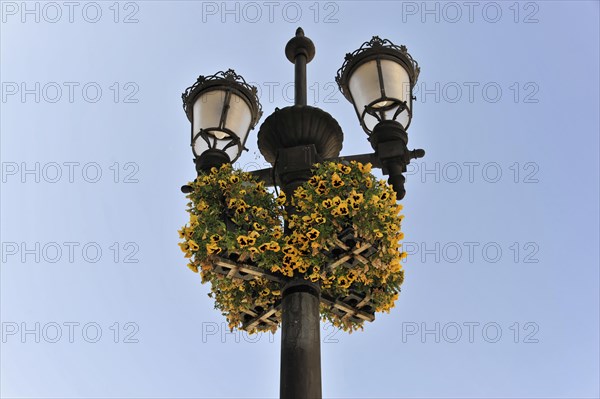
377 79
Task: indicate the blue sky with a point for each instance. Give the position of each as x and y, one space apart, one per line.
502 282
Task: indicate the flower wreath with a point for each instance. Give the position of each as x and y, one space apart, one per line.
233 215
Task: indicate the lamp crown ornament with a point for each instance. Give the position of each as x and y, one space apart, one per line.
228 75
376 43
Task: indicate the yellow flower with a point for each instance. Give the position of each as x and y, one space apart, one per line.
277 233
290 250
276 292
274 246
313 234
343 282
288 260
336 180
201 205
234 179
345 169
263 247
193 267
240 209
184 247
357 197
300 193
258 227
243 241
281 199
352 274
193 246
265 292
254 234
378 234
222 184
327 203
213 249
322 187
336 200
343 208
366 168
193 220
215 238
301 238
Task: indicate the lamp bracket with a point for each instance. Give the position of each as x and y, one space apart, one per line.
294 165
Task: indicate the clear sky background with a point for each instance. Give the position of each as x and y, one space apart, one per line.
502 281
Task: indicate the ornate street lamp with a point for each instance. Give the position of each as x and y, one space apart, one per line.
378 79
222 109
239 244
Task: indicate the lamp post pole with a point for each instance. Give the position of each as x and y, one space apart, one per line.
300 373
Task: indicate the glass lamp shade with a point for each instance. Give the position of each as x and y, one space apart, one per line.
378 79
222 109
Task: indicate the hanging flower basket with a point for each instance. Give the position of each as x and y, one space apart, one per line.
344 237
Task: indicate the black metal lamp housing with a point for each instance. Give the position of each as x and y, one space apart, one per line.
222 109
